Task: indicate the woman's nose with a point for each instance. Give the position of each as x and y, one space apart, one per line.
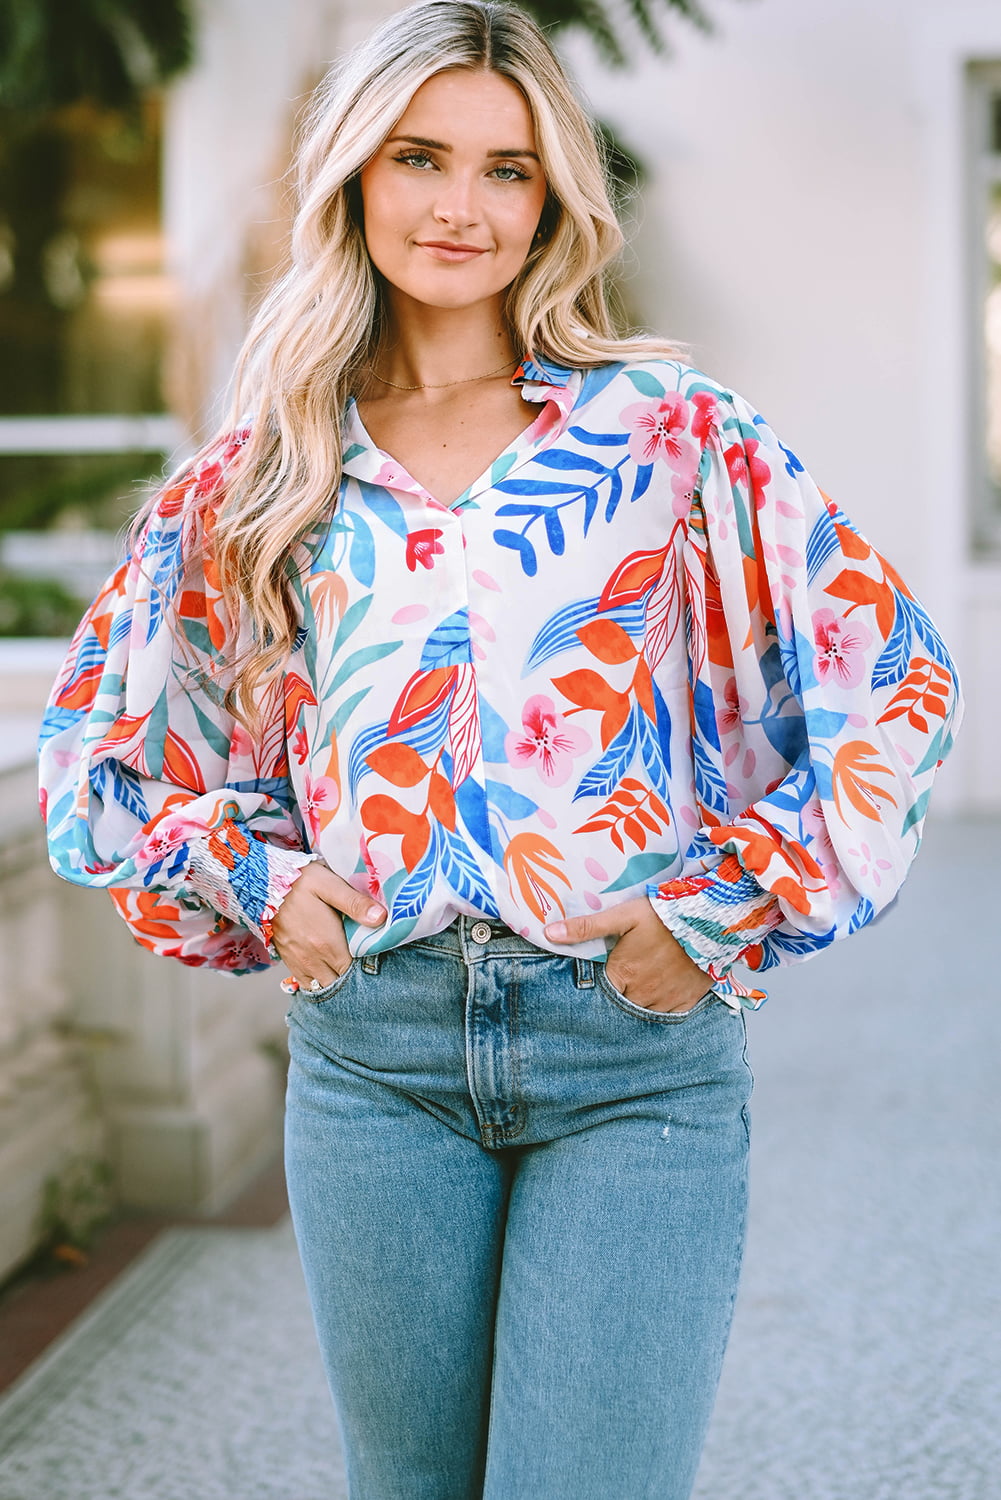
456 204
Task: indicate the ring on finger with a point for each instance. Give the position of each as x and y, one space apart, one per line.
314 985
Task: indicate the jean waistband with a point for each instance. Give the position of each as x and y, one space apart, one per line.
467 938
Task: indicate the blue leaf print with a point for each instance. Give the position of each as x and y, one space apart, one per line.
521 545
554 532
389 511
705 713
368 740
599 439
595 381
645 383
652 754
463 875
511 803
923 628
644 473
125 787
795 945
710 788
614 495
493 731
862 915
607 772
822 544
472 807
786 734
412 896
534 487
560 631
565 458
362 553
120 627
55 720
448 644
891 664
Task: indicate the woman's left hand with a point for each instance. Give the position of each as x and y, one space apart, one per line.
647 964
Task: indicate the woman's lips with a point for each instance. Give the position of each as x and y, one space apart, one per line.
441 250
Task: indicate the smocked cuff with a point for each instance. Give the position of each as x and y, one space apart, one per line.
244 877
716 917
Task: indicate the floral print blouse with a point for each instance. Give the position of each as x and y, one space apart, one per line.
642 653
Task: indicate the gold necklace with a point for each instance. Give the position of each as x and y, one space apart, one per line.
467 380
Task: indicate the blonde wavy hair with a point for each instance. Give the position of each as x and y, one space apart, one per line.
322 321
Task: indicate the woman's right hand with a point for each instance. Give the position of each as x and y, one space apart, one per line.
307 929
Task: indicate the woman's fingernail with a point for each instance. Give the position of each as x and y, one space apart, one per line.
557 931
376 913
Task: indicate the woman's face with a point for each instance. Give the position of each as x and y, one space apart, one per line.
453 197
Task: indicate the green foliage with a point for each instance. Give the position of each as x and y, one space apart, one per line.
594 18
77 1202
55 53
36 606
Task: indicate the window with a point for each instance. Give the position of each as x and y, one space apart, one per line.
985 265
84 307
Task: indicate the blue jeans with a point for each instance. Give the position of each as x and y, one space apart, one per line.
519 1201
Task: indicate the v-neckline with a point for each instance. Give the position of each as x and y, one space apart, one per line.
365 460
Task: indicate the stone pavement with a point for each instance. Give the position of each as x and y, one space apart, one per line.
864 1363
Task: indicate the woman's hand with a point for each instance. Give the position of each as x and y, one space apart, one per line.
647 964
307 929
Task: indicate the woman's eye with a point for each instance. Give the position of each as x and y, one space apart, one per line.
510 174
418 159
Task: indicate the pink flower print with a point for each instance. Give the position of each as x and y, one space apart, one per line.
393 476
321 794
655 428
683 481
704 419
547 742
841 646
300 746
423 547
745 467
378 868
166 836
870 866
729 717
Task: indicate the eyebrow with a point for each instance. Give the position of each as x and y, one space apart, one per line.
420 140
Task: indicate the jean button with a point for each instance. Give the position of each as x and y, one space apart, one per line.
480 932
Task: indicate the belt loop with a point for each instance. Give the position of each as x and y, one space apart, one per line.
370 963
584 973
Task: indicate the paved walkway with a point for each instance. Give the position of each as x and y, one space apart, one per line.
865 1359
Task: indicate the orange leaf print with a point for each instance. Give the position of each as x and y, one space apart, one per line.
425 692
525 858
633 577
180 764
859 588
382 814
854 763
607 641
442 801
399 764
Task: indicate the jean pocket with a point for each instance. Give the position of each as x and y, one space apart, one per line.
317 997
644 1012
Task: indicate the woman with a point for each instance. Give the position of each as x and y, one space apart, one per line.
489 646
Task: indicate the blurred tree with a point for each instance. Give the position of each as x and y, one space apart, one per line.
55 53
